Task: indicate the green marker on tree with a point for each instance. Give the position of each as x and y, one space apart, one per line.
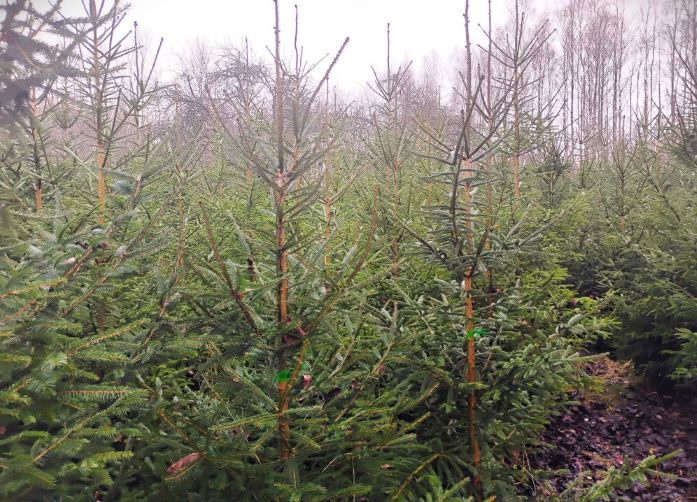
282 376
476 332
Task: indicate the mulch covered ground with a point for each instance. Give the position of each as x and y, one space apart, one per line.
623 422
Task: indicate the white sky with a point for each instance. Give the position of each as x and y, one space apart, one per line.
419 28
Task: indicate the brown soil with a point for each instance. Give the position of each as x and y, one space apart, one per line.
623 422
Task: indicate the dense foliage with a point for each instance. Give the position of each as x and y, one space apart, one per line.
234 286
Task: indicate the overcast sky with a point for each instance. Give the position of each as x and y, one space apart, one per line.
419 28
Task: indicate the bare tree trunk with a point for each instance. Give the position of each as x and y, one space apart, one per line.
98 115
489 173
393 167
327 193
327 217
572 70
36 157
467 283
516 104
282 317
469 329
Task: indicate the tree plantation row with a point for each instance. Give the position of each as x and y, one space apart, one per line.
244 283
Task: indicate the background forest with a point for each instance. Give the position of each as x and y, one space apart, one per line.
241 283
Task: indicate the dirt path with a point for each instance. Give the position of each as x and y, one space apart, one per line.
624 421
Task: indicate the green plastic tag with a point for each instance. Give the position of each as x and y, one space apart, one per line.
476 332
283 376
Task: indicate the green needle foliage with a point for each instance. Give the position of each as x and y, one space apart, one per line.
241 285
